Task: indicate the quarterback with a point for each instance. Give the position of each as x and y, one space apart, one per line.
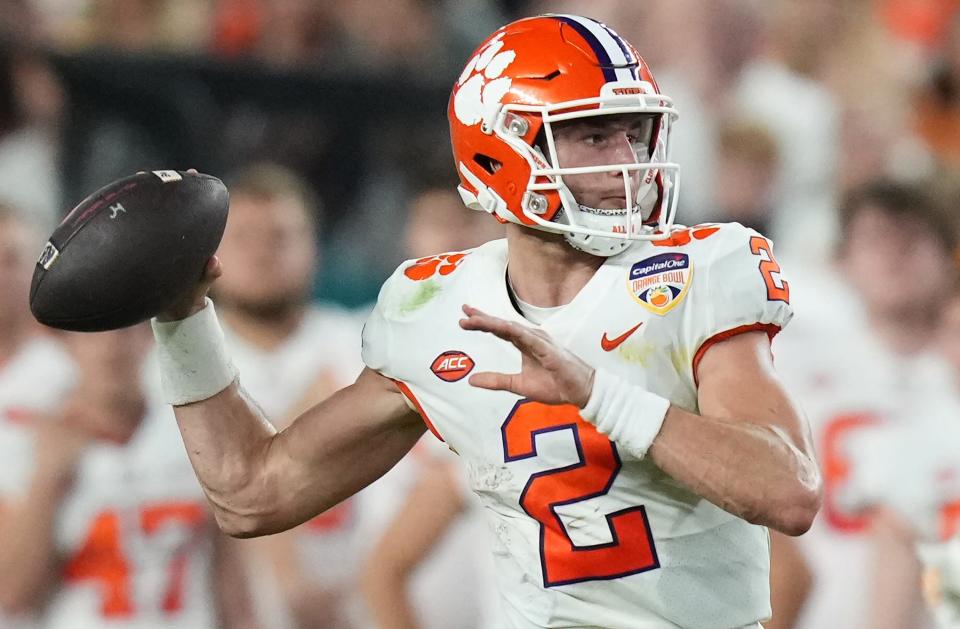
604 375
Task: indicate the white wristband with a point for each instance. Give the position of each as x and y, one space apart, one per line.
192 353
627 413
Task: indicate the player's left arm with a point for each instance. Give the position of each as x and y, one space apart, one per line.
749 449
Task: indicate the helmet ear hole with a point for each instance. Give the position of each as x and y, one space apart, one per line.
487 163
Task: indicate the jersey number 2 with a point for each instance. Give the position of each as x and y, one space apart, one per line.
777 289
631 550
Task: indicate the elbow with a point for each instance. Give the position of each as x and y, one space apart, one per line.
248 509
240 526
799 507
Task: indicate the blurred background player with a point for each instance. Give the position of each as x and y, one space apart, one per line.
870 365
107 527
905 476
436 538
746 176
34 374
273 331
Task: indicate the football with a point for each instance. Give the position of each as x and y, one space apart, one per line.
129 250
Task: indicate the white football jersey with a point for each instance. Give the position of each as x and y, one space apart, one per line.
134 533
583 534
847 382
922 487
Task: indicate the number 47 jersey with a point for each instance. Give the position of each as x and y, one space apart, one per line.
583 534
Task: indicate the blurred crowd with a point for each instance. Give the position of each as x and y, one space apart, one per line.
832 126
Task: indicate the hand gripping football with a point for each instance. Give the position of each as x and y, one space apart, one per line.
129 251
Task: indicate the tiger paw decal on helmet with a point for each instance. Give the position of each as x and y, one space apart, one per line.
481 85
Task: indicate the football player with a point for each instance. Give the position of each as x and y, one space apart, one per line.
870 360
108 527
915 504
34 372
604 375
272 330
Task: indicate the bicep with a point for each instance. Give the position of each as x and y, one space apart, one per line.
737 380
342 445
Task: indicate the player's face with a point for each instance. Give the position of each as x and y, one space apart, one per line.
950 333
17 258
892 265
268 253
598 141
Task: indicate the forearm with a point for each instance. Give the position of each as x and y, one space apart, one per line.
227 440
752 470
431 508
388 601
790 582
28 554
231 589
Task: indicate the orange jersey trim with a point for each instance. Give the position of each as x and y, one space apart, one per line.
405 390
771 329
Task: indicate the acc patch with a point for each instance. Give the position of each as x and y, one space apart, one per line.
661 282
451 366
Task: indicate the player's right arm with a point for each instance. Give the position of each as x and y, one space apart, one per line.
260 481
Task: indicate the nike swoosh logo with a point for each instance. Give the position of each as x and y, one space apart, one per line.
609 345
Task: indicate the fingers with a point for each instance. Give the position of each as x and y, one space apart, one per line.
494 381
528 340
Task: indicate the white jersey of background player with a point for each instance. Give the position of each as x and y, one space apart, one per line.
917 499
132 533
922 490
644 338
866 355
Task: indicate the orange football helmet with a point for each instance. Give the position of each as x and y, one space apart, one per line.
539 71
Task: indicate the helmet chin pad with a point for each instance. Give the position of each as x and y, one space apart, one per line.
607 220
